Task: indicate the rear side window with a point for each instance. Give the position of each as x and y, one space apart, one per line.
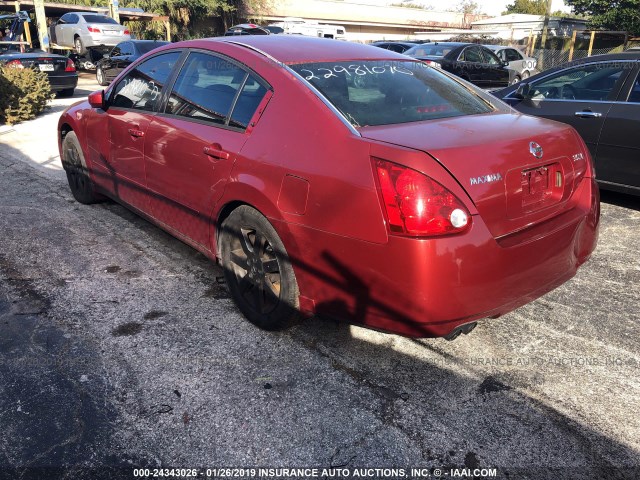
208 87
513 55
385 93
140 88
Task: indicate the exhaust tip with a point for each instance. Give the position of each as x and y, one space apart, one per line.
466 329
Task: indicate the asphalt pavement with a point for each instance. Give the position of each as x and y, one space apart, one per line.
120 348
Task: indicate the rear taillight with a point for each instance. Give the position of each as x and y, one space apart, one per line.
70 67
93 29
126 32
416 205
15 64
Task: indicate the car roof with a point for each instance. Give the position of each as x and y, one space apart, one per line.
299 48
390 42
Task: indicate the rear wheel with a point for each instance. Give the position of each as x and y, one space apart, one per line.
258 271
100 76
525 75
515 80
73 162
79 46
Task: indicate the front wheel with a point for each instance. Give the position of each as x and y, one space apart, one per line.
100 76
515 80
258 270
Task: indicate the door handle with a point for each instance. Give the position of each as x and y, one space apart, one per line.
588 114
135 132
216 151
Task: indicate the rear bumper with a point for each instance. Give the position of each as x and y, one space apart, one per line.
426 288
63 81
107 40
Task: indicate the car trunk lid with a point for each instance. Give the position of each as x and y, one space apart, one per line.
495 158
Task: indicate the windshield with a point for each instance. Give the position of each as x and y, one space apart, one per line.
384 93
99 19
428 50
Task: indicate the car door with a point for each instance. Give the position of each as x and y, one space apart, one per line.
131 105
618 156
580 96
107 63
494 71
470 66
61 29
192 145
123 59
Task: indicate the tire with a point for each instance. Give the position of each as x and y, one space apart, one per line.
258 271
79 46
68 92
515 80
525 75
80 184
100 76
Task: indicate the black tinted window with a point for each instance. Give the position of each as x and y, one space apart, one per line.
383 93
634 96
206 88
146 47
99 19
586 82
141 87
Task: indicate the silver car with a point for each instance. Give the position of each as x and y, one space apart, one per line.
81 30
523 65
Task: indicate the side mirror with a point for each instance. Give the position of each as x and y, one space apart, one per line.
96 99
523 91
505 63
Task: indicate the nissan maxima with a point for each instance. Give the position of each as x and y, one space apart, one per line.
340 180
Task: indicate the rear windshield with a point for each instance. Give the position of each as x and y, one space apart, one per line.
99 19
385 93
429 50
147 47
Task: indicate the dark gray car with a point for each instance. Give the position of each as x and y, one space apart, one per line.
600 97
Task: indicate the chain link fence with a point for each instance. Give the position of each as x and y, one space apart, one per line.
549 58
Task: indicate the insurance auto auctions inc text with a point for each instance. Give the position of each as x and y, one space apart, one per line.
354 473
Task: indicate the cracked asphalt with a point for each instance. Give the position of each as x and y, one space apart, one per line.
120 347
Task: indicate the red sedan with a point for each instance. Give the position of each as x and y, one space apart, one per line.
340 180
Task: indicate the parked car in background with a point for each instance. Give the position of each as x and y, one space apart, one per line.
523 66
471 62
310 28
121 57
398 47
82 30
471 209
60 70
246 29
600 97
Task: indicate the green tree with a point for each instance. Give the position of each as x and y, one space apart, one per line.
610 14
531 7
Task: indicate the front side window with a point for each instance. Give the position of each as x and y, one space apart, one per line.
207 87
72 19
489 57
513 55
586 82
141 87
634 95
370 92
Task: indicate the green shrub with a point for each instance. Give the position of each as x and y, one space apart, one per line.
24 93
